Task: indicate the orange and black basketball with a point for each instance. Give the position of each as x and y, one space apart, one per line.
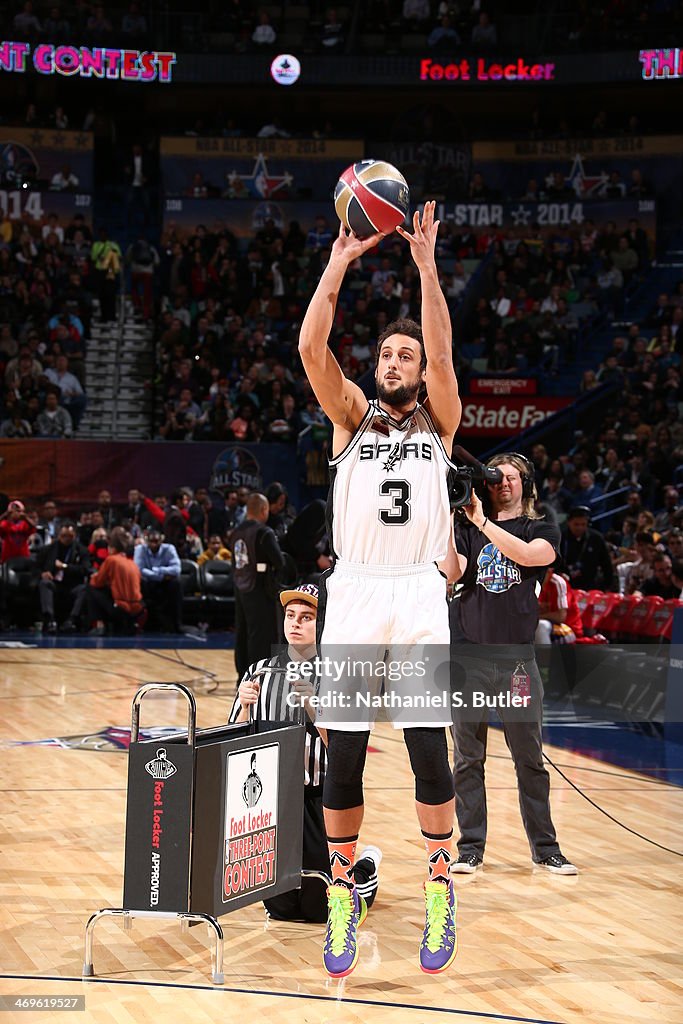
371 196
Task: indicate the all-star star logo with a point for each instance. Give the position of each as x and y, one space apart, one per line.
340 859
261 182
439 861
585 184
522 215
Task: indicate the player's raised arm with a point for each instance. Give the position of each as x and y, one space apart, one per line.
442 385
341 399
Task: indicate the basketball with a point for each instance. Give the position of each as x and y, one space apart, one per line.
371 196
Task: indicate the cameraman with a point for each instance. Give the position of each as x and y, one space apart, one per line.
502 552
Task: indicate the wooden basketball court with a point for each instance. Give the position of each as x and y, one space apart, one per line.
603 948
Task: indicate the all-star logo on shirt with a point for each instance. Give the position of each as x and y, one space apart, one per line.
495 572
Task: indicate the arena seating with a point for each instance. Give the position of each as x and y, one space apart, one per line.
208 592
625 617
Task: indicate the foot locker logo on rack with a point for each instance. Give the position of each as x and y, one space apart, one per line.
250 820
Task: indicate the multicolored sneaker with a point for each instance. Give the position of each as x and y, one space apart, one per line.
346 911
439 941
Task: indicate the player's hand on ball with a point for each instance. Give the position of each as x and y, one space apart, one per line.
475 511
349 247
423 240
249 692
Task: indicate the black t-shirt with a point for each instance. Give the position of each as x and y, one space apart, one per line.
498 603
653 588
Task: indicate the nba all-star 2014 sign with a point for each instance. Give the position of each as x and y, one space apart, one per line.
250 820
88 61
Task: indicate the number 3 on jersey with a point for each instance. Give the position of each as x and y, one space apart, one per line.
399 492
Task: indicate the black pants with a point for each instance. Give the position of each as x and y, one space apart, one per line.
164 600
101 606
523 736
257 627
309 903
80 602
106 292
54 592
19 565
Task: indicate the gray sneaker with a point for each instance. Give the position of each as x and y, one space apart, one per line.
559 865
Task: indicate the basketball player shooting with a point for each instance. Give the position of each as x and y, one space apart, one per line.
390 526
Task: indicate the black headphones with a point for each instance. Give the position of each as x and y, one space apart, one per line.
528 477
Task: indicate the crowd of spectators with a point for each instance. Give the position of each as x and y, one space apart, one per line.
377 25
64 558
544 286
557 187
230 313
47 280
441 24
228 332
80 23
617 491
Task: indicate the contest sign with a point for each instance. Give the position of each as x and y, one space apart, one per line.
251 821
88 61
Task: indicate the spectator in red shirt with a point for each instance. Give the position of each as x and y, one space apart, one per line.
98 547
559 616
15 529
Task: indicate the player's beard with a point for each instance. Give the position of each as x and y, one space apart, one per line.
404 394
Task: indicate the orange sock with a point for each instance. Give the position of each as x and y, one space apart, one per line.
438 855
342 857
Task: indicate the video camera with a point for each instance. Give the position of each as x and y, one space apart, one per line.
462 480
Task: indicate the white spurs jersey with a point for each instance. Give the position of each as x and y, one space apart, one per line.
388 501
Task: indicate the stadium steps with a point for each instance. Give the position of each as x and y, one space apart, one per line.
119 367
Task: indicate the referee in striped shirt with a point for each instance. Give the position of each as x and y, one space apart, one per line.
265 688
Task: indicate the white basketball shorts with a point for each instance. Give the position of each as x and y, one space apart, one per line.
385 633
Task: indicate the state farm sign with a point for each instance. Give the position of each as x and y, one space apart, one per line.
503 417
